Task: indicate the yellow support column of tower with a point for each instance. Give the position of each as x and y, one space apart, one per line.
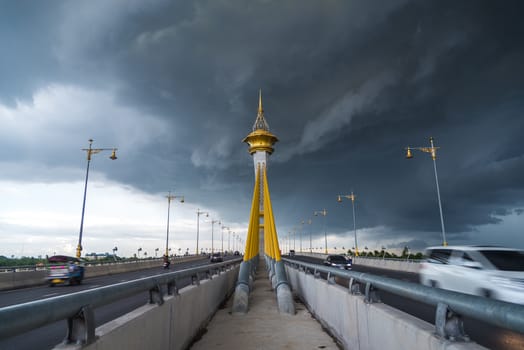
270 231
254 222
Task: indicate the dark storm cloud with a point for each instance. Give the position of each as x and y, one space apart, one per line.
26 39
346 86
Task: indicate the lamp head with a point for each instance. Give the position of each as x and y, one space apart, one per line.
409 155
339 199
113 154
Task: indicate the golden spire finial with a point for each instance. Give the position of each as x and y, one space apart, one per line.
260 109
260 122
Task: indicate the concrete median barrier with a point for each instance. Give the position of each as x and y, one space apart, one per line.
22 279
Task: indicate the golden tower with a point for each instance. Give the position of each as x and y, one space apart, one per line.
261 227
262 239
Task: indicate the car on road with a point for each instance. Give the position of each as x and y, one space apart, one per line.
236 253
291 252
492 272
338 261
216 257
65 270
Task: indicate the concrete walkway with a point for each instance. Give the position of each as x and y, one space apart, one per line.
263 327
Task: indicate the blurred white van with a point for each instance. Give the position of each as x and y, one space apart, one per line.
492 272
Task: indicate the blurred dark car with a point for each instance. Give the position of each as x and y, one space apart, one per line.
65 270
216 257
291 252
236 253
338 261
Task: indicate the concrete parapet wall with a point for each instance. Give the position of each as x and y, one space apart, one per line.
21 279
358 325
388 264
13 280
172 325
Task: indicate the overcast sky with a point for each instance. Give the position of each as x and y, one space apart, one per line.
346 86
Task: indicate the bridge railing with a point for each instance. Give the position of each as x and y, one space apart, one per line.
450 306
45 265
78 307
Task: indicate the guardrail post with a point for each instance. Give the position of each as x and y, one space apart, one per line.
449 324
371 295
195 279
330 278
155 295
81 327
172 288
354 287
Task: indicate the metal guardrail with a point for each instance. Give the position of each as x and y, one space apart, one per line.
25 268
450 305
78 307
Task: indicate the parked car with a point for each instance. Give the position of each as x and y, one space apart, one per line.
216 257
339 261
65 270
236 253
491 272
291 252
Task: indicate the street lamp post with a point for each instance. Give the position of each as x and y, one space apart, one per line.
170 197
294 236
198 225
323 213
222 237
433 151
352 197
310 236
90 151
301 233
213 222
228 239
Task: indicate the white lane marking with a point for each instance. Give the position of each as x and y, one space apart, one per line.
95 286
50 295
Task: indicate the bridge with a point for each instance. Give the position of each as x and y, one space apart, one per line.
263 300
192 307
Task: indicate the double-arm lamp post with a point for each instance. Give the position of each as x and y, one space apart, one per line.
433 151
198 225
213 222
323 213
352 197
170 197
90 151
222 236
310 236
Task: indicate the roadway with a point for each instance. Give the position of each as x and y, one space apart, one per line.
484 334
49 336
